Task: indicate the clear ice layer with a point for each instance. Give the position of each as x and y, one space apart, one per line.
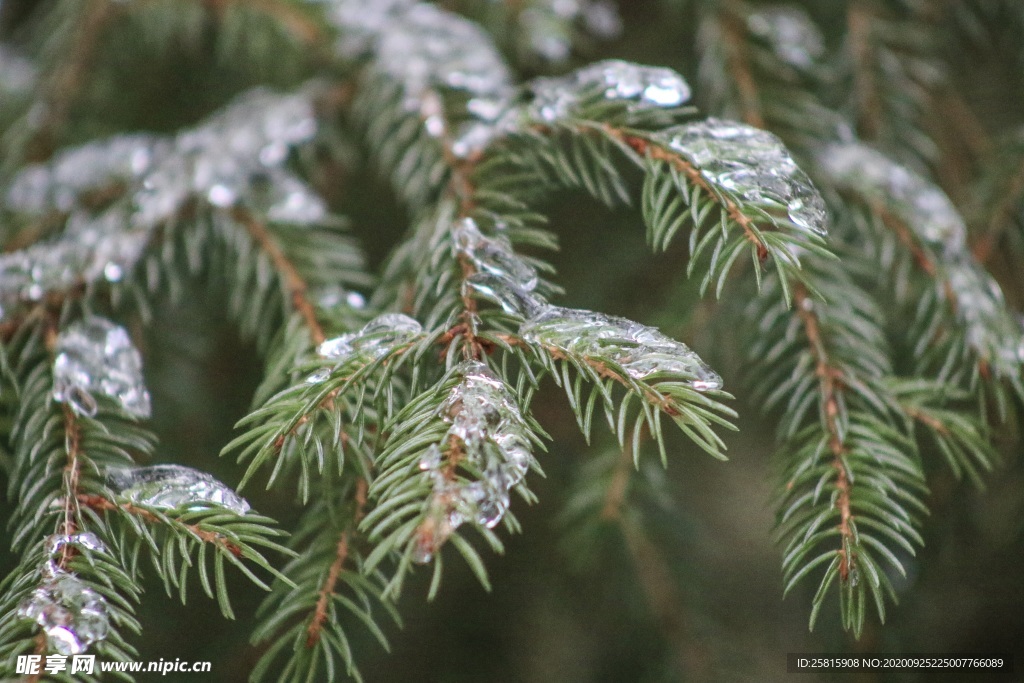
642 351
174 486
752 164
95 356
924 208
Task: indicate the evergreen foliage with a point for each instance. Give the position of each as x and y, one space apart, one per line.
807 196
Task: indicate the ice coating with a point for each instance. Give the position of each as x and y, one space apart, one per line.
642 351
375 340
493 438
753 164
360 23
219 160
641 87
492 255
91 250
792 35
18 75
426 48
86 540
174 486
990 331
61 183
96 356
861 170
70 614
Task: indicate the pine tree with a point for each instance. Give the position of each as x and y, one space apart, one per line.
839 191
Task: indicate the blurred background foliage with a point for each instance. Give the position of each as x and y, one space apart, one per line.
692 589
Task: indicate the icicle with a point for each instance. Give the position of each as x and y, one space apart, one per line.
377 338
923 207
72 615
753 164
641 87
173 486
641 351
494 439
96 356
790 32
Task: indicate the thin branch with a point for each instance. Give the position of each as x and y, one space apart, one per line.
869 106
734 35
293 280
644 147
1000 214
101 504
340 556
830 385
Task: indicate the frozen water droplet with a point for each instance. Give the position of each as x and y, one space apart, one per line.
753 164
113 272
338 347
319 376
431 459
490 503
96 356
87 540
355 300
790 32
173 486
919 204
222 196
70 614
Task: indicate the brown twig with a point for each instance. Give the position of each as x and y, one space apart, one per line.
293 280
869 116
644 148
997 222
734 36
830 385
99 503
334 573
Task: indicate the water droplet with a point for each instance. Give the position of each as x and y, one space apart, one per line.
375 340
174 486
752 164
96 356
919 204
